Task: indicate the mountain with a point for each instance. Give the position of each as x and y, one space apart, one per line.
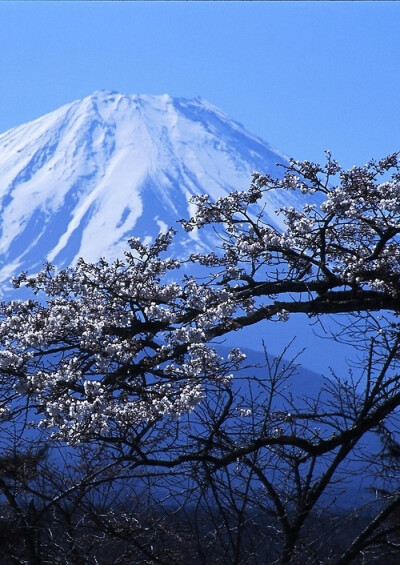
80 180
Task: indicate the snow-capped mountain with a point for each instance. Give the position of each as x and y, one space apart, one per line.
80 180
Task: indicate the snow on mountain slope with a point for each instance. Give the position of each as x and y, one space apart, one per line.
82 179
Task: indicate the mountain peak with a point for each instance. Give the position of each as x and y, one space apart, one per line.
82 179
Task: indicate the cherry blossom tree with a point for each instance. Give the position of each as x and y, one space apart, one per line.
126 354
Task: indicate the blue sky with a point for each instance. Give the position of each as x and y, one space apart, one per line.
305 76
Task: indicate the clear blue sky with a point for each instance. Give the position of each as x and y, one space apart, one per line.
305 76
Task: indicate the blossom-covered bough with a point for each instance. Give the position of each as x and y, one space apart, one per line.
122 344
338 253
127 353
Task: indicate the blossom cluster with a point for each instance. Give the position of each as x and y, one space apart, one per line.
345 229
114 346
